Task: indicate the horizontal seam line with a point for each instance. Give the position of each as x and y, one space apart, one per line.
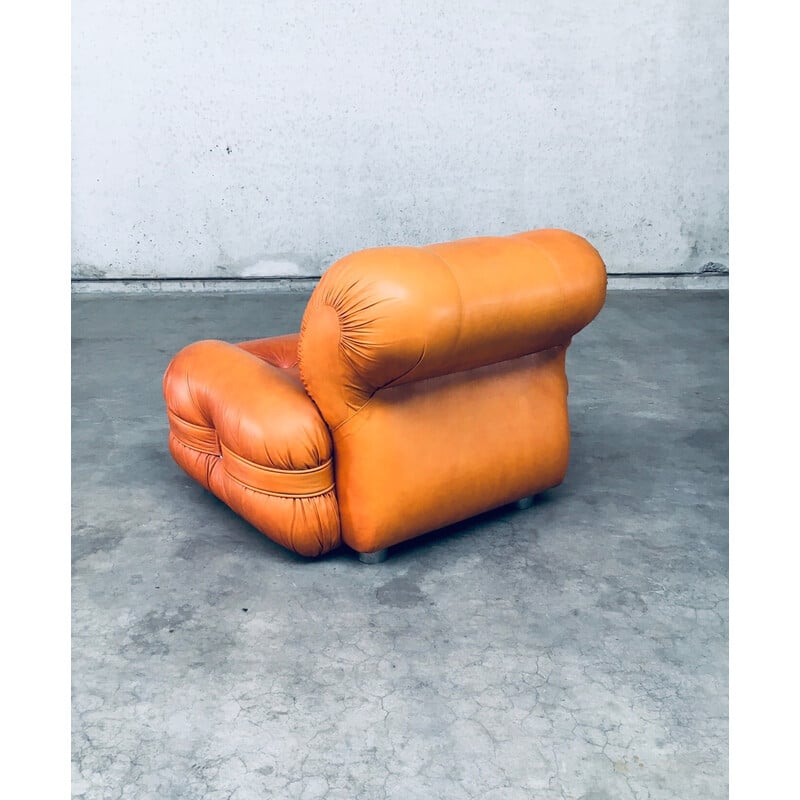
197 449
276 494
188 424
308 471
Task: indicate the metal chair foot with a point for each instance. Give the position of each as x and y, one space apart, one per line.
374 558
525 502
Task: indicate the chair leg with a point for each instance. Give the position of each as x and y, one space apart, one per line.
525 502
374 558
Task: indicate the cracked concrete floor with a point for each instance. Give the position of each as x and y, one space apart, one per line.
574 650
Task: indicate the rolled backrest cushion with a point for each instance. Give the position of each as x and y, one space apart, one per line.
392 315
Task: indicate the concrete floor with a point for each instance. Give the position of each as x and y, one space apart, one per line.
574 650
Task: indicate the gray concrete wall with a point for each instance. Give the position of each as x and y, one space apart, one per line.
248 138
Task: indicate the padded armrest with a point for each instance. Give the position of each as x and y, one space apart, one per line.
243 426
393 315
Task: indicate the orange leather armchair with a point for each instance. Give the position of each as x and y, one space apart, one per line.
426 385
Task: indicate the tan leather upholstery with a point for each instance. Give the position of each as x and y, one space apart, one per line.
433 388
242 425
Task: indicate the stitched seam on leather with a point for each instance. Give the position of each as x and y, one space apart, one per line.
190 424
402 374
277 494
356 412
201 428
310 471
301 482
194 447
